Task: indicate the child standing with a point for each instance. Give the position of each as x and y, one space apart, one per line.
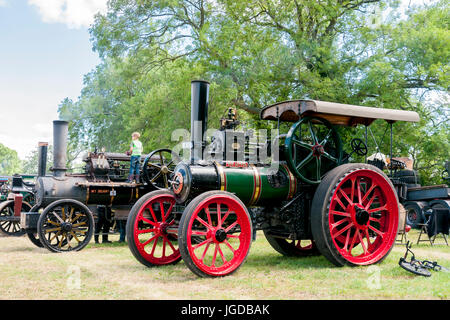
135 152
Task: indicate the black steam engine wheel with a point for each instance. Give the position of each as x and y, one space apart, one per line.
158 168
65 225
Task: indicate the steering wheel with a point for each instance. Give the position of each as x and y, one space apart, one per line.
158 167
358 147
312 148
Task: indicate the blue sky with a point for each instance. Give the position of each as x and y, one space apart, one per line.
43 57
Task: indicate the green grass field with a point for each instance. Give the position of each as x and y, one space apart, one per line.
111 272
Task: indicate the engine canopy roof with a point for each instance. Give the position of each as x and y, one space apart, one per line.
336 113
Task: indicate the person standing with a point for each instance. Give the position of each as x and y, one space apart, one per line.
135 161
103 224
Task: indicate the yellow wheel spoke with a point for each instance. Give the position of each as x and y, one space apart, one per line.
52 230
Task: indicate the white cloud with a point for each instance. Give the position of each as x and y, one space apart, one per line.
73 13
3 3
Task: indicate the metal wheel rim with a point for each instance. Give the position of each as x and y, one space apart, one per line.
159 180
156 222
5 226
202 239
377 204
292 141
52 222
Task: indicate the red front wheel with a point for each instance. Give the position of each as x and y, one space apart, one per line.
354 216
215 234
151 229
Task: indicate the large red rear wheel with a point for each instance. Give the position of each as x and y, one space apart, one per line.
215 234
354 216
151 229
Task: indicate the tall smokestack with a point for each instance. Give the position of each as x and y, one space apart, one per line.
199 117
42 158
60 131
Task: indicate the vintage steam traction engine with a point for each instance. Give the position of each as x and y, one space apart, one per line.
315 203
63 216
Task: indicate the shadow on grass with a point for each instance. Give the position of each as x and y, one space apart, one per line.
263 261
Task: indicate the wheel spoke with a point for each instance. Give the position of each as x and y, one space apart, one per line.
170 244
203 222
163 215
152 213
302 144
199 233
150 240
156 176
373 186
229 246
378 232
149 221
58 217
353 242
329 157
370 202
219 219
208 214
358 189
346 197
339 213
231 226
145 231
337 234
215 255
377 209
154 245
338 223
202 244
52 230
305 161
340 202
221 254
366 232
362 243
347 239
325 140
205 251
74 235
318 175
164 247
313 135
225 217
352 196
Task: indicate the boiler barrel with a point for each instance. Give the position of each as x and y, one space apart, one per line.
254 185
50 189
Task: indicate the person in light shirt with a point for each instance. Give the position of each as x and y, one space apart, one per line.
135 152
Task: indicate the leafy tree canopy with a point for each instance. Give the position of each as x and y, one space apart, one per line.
9 161
257 52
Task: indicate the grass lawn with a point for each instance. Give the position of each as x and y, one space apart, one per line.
111 272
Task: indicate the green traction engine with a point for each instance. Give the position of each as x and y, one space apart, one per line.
307 199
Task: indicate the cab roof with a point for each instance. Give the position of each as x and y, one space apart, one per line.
336 113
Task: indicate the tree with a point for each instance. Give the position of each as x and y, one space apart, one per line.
258 52
30 164
9 161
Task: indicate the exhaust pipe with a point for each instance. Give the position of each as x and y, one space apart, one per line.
199 117
60 131
42 158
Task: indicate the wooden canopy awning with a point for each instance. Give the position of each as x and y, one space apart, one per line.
336 113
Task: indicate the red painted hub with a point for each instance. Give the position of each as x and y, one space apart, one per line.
318 150
219 235
363 217
150 231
